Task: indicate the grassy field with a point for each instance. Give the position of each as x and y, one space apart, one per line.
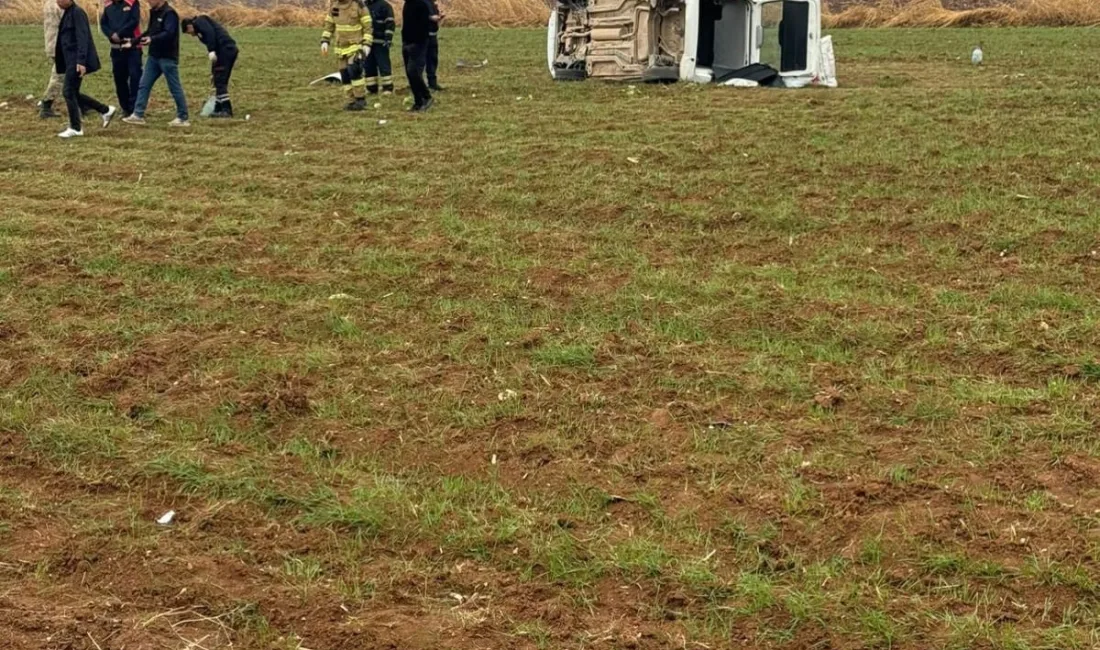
559 366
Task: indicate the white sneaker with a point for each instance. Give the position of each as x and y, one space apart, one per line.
134 119
70 133
109 115
179 123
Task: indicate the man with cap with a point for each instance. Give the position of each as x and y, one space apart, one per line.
221 49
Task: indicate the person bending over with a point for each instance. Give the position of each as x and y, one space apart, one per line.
222 51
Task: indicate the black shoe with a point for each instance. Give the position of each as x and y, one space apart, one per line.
223 110
436 87
45 109
422 108
359 104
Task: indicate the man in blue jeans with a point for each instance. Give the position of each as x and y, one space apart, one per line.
162 42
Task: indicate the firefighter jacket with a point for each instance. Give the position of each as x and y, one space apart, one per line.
51 18
381 15
349 21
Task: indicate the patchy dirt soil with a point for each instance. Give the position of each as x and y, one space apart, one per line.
817 371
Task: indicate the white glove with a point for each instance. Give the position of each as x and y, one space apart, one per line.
213 57
324 49
365 50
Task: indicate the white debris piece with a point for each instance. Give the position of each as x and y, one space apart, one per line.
167 518
506 395
977 56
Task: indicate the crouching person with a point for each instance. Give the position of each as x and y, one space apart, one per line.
222 52
75 57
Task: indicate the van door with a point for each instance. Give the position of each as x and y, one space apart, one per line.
785 35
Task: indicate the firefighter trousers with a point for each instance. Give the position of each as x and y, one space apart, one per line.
379 70
351 73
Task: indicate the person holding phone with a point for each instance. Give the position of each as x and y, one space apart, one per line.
162 42
120 22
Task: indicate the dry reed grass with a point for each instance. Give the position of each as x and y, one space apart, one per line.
516 13
931 13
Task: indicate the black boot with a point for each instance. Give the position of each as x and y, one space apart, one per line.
358 104
223 110
434 85
45 109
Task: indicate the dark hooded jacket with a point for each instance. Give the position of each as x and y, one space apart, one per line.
74 43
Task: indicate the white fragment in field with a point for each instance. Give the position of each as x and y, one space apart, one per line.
506 395
290 153
1024 197
493 460
166 518
633 160
29 98
339 296
383 122
3 104
141 175
458 597
378 104
1044 326
247 118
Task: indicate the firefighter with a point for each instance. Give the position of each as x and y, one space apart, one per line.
51 18
378 68
349 21
222 51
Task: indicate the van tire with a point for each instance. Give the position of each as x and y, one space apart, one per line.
662 74
569 74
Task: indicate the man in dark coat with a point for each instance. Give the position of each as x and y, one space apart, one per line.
75 57
416 25
221 49
120 22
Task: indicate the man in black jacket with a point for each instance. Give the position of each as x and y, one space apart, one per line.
433 47
75 56
416 26
222 51
162 38
120 22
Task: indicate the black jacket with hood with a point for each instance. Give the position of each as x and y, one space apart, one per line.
74 43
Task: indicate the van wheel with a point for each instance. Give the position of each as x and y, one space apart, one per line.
662 74
569 74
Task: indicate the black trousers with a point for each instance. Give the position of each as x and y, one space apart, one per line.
222 70
416 59
378 69
77 103
433 59
126 67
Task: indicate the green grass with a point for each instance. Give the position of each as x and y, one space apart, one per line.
476 375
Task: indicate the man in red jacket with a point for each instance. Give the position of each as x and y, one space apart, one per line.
120 22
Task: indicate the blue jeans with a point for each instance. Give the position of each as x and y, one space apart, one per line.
154 68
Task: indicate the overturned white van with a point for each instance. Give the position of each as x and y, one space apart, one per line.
735 42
